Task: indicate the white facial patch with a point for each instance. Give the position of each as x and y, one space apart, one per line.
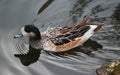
31 34
24 33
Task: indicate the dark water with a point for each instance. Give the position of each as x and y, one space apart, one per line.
16 13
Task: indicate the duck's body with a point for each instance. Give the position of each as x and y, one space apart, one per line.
61 41
64 38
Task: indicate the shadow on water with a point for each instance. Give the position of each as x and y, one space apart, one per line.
33 55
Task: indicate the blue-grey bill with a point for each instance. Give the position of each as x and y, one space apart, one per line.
18 35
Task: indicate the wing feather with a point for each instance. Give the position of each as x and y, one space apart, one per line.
69 36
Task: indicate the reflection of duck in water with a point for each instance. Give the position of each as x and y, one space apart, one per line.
30 57
60 38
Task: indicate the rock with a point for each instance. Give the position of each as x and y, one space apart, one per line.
117 70
112 68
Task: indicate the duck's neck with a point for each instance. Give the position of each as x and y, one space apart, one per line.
31 40
35 43
35 40
36 37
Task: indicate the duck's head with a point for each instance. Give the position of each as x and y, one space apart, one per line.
30 31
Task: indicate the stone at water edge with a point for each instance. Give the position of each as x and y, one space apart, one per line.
112 68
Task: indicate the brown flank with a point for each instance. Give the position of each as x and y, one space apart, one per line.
67 46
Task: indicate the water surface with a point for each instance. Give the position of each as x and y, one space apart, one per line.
16 13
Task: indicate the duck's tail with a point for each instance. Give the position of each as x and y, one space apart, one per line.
83 21
99 26
93 29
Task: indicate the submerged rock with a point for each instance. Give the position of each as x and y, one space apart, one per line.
112 68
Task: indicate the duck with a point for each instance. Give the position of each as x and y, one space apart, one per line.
60 38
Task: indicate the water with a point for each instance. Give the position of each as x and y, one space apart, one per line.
14 14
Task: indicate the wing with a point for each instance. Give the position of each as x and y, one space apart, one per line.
58 31
63 30
69 36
